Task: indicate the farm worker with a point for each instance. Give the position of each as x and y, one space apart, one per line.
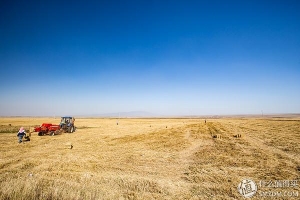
62 123
21 134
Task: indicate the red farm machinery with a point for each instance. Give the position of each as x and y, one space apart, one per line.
66 126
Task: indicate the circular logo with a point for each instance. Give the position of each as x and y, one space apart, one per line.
247 188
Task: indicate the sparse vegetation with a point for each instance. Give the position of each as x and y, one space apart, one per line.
142 159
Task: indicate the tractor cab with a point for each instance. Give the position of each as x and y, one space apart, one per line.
67 123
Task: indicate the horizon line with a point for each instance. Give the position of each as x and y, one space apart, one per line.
157 116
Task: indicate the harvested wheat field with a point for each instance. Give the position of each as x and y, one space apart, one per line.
151 159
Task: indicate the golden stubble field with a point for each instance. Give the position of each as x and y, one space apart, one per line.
149 158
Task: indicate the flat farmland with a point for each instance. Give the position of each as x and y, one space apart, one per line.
150 158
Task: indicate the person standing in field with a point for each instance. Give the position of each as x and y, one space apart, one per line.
21 134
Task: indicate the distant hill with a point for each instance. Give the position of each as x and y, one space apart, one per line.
131 114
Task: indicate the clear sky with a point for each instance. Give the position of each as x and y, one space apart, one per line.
164 57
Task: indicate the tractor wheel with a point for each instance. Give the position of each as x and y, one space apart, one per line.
40 134
52 133
71 129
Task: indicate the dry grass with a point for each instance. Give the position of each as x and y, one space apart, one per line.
147 158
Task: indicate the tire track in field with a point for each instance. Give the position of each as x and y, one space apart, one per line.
197 140
258 143
194 146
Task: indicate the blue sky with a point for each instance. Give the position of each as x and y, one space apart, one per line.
163 57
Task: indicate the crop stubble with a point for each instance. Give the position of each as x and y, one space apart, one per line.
147 158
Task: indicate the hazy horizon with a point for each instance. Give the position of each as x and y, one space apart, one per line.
163 57
142 114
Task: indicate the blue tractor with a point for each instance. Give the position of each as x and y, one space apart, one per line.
67 124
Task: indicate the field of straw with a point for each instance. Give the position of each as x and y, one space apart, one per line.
150 158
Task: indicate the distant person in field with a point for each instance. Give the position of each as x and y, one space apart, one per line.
21 134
